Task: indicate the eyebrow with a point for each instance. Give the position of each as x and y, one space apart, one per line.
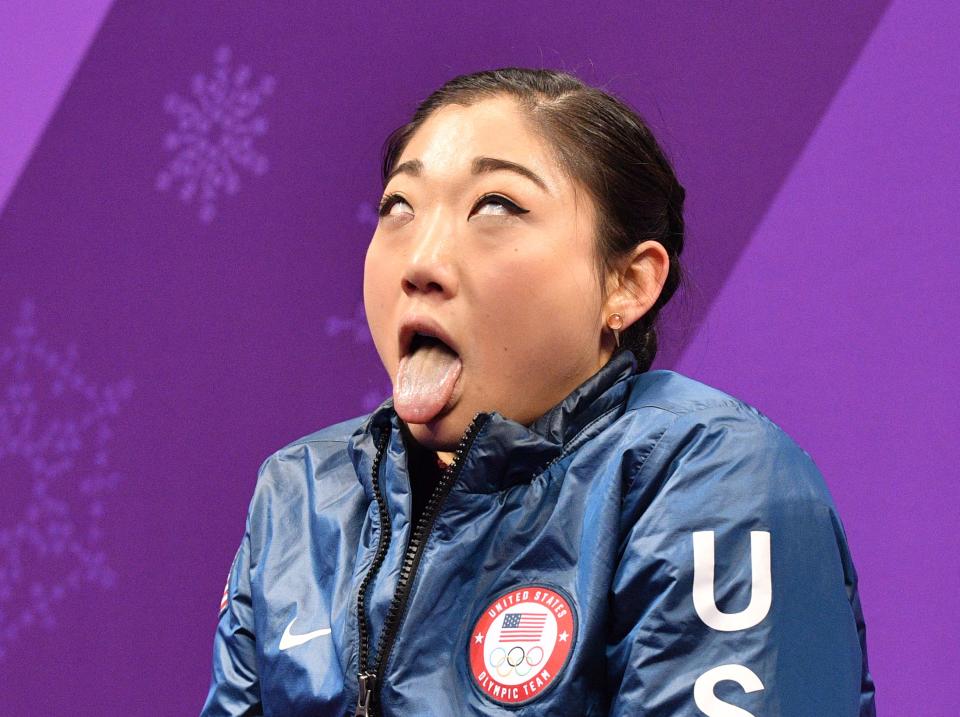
414 167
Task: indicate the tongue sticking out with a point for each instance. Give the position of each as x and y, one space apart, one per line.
425 381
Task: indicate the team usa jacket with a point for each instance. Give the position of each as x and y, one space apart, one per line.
651 546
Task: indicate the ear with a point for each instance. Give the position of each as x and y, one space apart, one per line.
638 282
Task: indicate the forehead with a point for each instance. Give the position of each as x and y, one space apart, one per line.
450 138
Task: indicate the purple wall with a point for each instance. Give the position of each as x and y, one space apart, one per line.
170 316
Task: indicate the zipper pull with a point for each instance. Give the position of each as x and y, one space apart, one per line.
367 682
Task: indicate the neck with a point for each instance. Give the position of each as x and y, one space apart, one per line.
413 445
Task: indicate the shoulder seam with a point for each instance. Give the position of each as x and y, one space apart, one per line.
573 445
653 448
293 445
733 402
692 408
308 442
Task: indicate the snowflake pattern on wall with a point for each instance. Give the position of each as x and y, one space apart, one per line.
55 428
356 327
215 134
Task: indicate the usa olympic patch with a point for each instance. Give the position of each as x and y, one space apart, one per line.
223 599
521 643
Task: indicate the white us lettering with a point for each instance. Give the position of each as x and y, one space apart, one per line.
713 706
705 604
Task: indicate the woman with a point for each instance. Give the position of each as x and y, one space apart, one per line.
535 522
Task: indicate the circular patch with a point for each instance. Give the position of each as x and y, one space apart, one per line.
521 643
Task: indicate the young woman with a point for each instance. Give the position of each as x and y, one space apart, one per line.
535 523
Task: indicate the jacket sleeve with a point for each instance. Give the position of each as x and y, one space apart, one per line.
734 594
235 686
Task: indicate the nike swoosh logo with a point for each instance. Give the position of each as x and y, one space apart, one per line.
288 639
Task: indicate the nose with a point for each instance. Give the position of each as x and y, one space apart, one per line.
430 267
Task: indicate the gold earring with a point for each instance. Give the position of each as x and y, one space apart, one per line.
615 322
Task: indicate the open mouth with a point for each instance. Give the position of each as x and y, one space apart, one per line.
421 332
426 378
426 340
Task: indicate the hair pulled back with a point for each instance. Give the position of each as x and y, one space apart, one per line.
600 142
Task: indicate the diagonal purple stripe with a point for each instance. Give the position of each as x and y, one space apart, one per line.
39 55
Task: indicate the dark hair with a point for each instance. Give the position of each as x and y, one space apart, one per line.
603 144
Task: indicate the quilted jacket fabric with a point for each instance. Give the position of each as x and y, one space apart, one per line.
651 546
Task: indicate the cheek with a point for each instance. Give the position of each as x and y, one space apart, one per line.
377 302
538 321
371 281
543 295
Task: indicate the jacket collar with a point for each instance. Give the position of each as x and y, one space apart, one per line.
504 452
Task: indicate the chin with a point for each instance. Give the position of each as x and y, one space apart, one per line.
442 433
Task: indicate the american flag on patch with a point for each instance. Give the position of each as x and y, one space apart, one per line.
223 600
522 627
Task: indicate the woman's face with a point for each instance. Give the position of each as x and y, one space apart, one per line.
515 294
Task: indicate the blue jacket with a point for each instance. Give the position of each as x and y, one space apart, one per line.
649 546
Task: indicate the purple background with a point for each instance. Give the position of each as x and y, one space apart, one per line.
154 349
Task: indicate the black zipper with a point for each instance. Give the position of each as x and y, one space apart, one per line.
383 543
368 679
